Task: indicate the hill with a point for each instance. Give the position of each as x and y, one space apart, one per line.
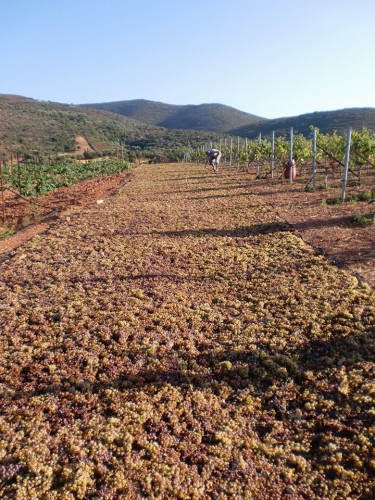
326 121
209 117
28 125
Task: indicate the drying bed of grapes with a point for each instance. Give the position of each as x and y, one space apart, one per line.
180 341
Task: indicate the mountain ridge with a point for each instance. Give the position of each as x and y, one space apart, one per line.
213 117
326 121
218 118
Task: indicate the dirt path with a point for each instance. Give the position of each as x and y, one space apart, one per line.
181 341
82 145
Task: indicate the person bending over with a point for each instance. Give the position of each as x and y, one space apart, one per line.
213 157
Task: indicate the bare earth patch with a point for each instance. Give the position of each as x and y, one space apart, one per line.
32 217
330 229
82 144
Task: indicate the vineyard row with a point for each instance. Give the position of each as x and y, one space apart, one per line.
350 157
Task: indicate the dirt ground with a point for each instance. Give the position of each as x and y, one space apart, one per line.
328 228
33 216
82 145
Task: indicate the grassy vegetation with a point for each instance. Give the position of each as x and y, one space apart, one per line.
8 232
362 219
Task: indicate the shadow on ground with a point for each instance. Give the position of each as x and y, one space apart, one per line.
238 232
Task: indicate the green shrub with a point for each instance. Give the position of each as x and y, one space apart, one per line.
365 196
8 232
334 201
359 219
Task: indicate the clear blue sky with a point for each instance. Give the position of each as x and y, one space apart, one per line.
271 58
